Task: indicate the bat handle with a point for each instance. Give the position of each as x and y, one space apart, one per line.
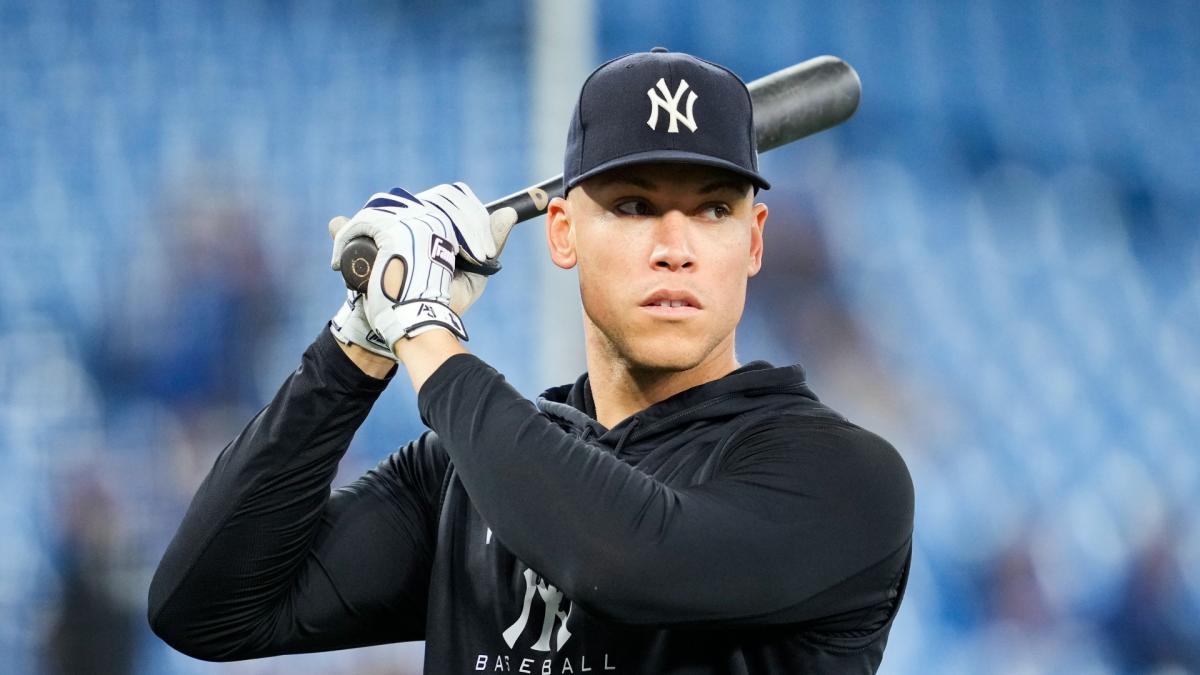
359 257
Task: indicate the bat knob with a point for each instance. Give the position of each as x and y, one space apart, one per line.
357 259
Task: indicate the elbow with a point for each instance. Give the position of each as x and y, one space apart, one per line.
189 637
171 623
177 636
200 620
178 615
181 638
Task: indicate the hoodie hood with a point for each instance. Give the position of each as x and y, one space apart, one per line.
752 388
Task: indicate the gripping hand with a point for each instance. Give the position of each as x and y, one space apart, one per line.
350 325
476 239
409 289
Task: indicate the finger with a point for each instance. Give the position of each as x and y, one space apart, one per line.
396 198
502 221
344 234
338 244
366 222
465 289
466 190
336 223
449 201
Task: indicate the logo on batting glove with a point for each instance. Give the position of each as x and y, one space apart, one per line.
441 251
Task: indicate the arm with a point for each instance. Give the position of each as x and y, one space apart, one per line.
374 365
786 522
266 561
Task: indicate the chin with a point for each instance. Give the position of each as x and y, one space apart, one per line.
655 347
664 355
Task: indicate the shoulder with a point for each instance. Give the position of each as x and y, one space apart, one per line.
829 455
813 430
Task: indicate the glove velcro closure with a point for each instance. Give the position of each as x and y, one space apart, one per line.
349 326
413 317
370 341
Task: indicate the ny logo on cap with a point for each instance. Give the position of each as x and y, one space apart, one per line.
670 104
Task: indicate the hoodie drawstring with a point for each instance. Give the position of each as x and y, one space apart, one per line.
625 436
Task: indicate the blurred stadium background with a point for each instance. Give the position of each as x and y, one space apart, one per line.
995 264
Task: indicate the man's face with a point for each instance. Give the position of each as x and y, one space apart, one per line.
664 252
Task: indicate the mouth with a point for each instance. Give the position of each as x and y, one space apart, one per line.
671 304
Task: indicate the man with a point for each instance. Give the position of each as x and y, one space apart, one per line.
669 512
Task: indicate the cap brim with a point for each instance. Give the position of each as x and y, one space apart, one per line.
670 157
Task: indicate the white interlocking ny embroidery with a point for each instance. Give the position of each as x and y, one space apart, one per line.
670 104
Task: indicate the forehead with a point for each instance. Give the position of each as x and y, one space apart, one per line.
670 177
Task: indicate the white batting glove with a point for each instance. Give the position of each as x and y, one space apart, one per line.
476 239
350 326
408 292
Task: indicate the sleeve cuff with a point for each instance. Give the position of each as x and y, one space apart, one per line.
329 356
439 386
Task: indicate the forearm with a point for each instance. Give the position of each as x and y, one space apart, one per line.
759 546
579 516
252 520
376 366
424 354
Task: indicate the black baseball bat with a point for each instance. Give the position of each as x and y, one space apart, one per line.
789 104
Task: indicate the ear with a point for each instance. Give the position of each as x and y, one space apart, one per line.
757 222
560 234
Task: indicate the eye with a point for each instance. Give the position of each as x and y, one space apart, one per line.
634 207
717 211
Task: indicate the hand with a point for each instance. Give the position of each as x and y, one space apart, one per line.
476 238
350 324
468 216
480 244
409 289
350 327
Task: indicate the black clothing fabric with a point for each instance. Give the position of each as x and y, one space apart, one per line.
740 526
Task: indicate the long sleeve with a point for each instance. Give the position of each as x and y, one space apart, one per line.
804 521
267 561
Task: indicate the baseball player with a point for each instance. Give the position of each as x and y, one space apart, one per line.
671 511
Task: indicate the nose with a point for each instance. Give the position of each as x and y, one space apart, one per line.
672 243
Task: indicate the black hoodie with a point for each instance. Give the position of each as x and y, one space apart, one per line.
740 526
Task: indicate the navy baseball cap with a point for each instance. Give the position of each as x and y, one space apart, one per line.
661 106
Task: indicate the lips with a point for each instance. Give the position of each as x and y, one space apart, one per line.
671 302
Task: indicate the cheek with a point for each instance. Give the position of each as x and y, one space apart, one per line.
604 263
729 276
598 289
731 291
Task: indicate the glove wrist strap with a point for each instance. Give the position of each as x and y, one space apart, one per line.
349 326
413 317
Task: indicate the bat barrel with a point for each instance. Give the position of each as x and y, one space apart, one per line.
827 85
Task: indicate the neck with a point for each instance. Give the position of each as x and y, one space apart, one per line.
621 388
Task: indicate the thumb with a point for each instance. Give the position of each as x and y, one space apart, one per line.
501 222
342 229
336 223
